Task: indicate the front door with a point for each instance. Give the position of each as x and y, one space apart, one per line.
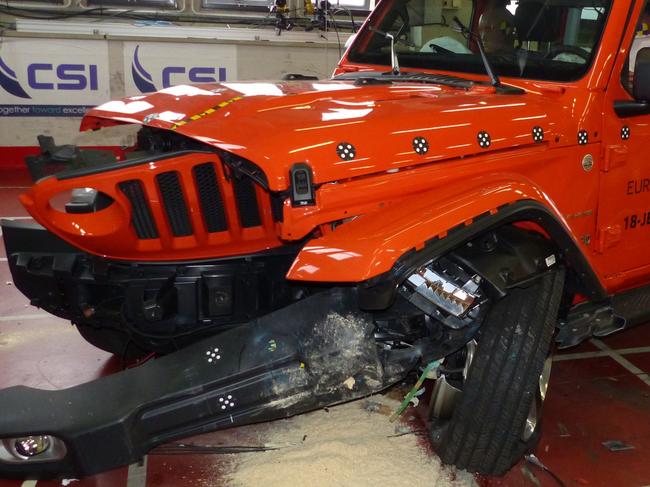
623 237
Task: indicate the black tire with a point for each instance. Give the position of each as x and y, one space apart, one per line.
484 433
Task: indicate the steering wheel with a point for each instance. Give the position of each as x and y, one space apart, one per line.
578 51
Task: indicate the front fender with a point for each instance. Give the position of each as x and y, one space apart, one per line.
372 245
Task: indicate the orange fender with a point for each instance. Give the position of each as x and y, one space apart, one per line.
371 244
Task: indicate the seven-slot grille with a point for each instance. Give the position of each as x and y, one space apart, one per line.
214 213
209 187
141 218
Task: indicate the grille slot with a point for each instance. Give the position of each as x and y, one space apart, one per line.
174 203
249 212
141 218
212 208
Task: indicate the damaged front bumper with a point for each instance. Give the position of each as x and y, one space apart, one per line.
182 300
290 361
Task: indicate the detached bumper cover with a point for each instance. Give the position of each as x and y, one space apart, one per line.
290 361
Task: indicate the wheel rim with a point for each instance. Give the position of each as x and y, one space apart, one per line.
445 395
534 413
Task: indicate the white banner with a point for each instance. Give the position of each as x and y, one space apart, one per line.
152 66
53 77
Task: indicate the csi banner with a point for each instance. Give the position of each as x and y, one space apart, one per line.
57 78
152 66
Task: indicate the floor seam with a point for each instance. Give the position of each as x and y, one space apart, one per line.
629 366
601 353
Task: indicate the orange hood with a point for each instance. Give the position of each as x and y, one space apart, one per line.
276 125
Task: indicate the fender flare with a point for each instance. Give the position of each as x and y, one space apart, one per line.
378 292
378 250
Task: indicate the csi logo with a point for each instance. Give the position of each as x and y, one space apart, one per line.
48 76
171 75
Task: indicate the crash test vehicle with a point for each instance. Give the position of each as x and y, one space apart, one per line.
471 185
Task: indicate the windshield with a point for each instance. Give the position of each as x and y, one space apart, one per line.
537 39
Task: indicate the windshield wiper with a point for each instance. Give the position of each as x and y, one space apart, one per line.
394 62
494 78
387 77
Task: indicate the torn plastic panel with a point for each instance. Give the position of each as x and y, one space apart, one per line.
288 362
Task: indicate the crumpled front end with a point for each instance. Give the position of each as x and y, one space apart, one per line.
181 205
158 250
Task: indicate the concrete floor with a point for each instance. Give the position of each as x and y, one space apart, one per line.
599 391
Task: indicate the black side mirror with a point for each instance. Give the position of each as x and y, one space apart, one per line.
641 84
640 88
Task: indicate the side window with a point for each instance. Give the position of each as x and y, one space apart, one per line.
641 40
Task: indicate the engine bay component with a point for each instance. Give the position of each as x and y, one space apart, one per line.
445 291
53 158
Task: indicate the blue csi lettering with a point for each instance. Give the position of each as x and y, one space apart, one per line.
9 81
68 76
196 75
48 76
172 75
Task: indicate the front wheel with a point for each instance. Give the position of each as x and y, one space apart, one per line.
494 417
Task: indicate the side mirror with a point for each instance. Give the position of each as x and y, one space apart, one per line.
640 88
641 83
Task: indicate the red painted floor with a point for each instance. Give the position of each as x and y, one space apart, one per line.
591 399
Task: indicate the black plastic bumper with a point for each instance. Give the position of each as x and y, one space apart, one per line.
188 299
290 361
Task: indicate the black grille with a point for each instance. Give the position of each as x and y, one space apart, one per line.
174 203
277 206
249 213
141 218
212 208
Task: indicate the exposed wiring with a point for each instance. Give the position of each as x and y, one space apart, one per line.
336 29
172 337
142 360
533 460
104 13
268 20
422 433
349 12
39 14
414 390
183 449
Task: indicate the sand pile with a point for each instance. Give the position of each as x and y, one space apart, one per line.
352 445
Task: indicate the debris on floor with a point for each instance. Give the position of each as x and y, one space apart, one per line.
617 445
352 445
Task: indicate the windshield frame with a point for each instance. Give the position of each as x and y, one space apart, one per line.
476 68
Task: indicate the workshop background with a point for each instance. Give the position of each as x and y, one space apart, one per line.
58 58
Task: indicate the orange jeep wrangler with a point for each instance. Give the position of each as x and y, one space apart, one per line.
471 185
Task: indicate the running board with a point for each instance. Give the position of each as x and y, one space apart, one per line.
317 352
622 311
